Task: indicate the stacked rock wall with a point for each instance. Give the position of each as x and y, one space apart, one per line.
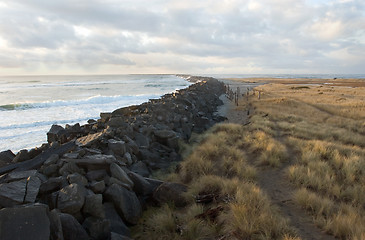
92 181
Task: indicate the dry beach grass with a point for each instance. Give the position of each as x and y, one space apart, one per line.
296 171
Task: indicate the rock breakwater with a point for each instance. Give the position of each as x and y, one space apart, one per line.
93 181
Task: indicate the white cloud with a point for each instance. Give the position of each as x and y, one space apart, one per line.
94 36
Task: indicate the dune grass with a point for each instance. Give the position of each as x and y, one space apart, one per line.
315 133
324 128
217 167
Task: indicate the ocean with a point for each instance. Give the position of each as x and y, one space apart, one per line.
29 105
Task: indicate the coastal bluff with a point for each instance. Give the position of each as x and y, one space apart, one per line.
93 181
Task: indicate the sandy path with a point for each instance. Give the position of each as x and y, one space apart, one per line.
273 181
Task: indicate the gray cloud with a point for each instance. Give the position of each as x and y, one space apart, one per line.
262 36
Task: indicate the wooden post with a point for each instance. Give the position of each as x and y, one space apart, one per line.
259 97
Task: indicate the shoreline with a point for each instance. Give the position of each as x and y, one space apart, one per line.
86 174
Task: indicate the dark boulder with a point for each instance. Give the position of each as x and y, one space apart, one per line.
57 134
71 228
71 198
126 203
25 222
169 192
116 223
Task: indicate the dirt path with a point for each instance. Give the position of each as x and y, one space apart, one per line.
274 182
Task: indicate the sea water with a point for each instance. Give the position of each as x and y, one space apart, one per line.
29 105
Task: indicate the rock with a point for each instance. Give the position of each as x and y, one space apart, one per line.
116 122
141 185
116 236
53 184
12 193
21 156
7 156
32 189
96 175
113 180
142 141
98 229
132 145
77 178
140 168
69 168
94 206
128 158
90 139
26 222
38 160
118 147
126 203
56 134
94 162
116 223
56 225
71 228
154 183
163 135
50 170
105 116
97 187
171 192
73 155
18 175
71 198
118 173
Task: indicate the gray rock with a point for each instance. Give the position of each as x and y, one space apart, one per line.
32 189
21 156
113 180
18 175
71 228
98 229
126 203
118 147
116 223
69 168
116 122
116 236
142 140
94 162
73 155
94 206
141 185
71 198
171 192
52 159
140 168
118 173
7 156
56 134
128 158
77 178
90 139
96 175
97 187
50 170
12 193
26 222
56 225
53 184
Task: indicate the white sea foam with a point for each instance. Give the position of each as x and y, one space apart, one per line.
30 105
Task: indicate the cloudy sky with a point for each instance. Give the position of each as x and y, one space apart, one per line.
181 36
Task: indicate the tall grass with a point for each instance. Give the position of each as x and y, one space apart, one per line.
326 135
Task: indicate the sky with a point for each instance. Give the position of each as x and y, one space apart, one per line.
175 36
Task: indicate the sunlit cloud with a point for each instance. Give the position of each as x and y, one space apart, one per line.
181 36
